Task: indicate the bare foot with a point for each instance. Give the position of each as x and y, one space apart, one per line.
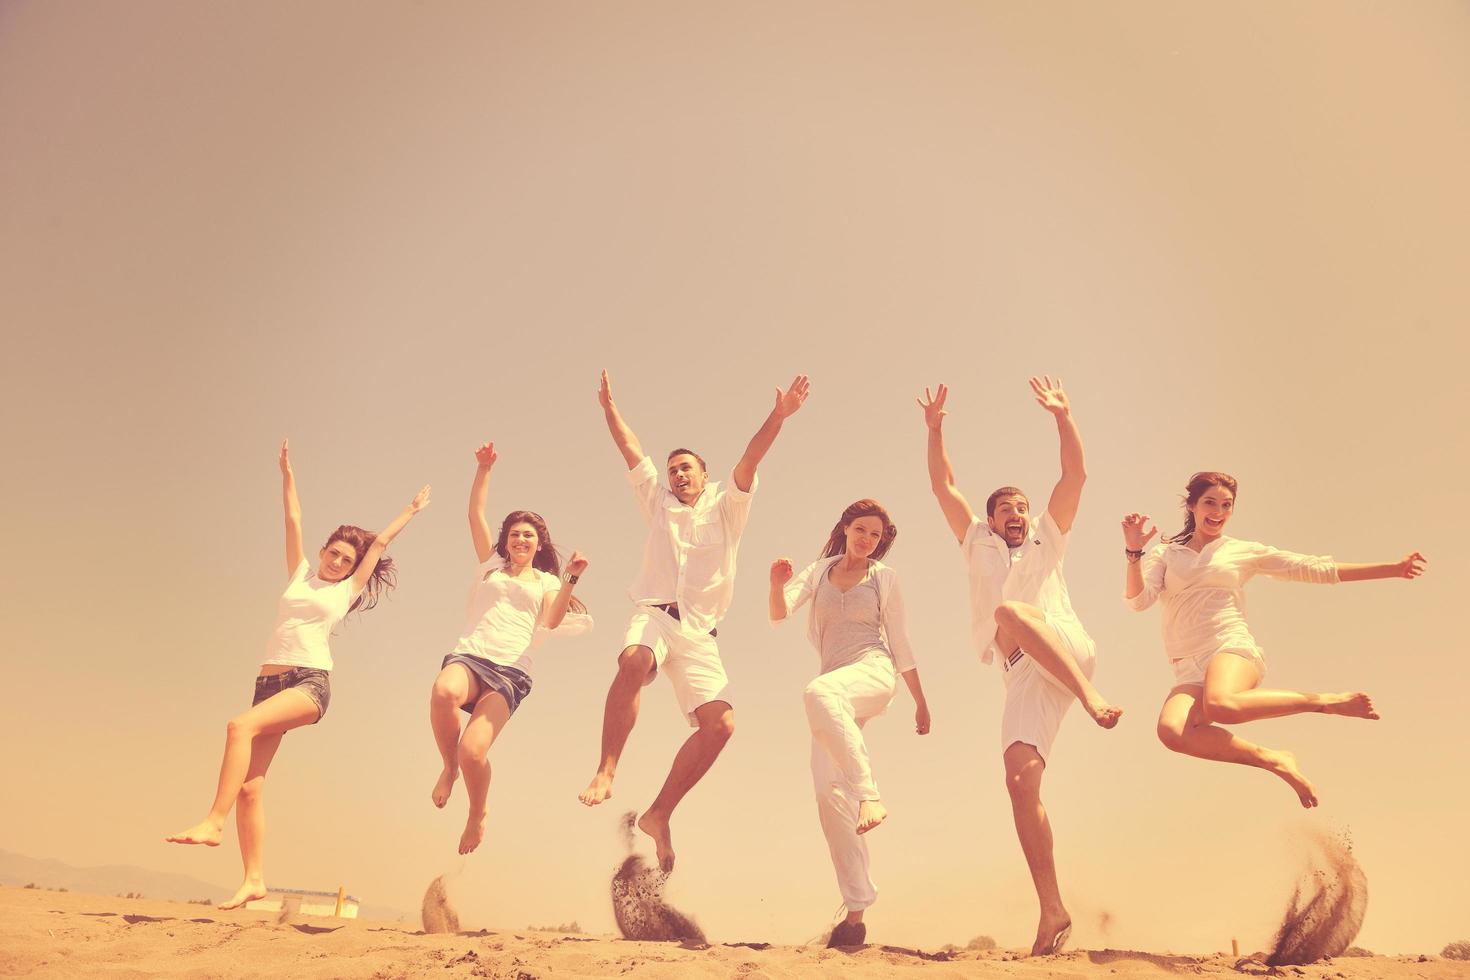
444 787
658 828
204 832
1284 765
1052 934
249 892
598 790
474 832
870 814
1106 715
1354 704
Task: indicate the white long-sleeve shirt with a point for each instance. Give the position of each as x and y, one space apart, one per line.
1204 592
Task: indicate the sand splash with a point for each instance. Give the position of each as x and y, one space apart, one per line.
1327 905
438 914
638 899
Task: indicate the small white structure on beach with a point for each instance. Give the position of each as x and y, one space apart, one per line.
337 904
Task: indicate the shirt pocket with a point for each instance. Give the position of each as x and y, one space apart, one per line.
709 532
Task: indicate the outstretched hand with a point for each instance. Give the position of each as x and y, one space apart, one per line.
285 457
788 401
577 564
420 500
1134 536
1412 566
1049 395
604 392
485 455
933 406
781 571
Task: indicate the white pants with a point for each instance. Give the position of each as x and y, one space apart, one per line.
838 704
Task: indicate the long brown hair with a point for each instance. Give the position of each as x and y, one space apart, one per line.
1194 490
546 558
837 540
385 574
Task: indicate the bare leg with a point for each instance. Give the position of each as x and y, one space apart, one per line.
1023 626
488 721
273 716
1024 769
250 822
618 717
454 688
716 724
1183 729
1230 697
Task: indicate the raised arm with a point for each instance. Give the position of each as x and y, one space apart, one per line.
1067 494
557 603
957 511
780 574
295 550
1409 567
480 533
385 538
787 402
623 436
1136 536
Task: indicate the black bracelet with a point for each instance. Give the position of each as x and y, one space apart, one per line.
1133 554
572 579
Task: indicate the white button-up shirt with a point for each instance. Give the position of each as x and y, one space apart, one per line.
1031 573
1204 591
689 556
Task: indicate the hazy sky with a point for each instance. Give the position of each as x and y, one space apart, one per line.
393 230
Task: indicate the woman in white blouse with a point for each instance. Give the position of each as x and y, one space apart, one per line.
293 687
1200 575
856 624
519 593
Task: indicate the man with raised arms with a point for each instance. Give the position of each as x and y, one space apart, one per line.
682 591
1020 611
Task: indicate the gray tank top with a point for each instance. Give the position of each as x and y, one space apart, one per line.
849 625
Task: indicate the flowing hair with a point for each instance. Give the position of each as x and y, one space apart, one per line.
1194 490
546 558
837 540
385 573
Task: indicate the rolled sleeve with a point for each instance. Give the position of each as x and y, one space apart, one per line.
1153 582
735 503
643 478
1292 567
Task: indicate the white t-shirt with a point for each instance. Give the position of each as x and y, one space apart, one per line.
1031 573
1204 591
689 556
309 610
502 614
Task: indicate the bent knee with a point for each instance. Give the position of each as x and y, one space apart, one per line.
252 790
1220 709
721 726
1172 736
449 692
635 664
1011 612
238 727
473 753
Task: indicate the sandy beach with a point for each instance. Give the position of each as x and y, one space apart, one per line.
64 934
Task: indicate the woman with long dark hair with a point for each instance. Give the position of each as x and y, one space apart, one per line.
519 593
856 624
1200 575
294 684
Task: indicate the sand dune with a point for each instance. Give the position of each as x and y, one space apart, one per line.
64 934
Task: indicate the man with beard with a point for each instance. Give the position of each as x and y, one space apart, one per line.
682 591
1022 618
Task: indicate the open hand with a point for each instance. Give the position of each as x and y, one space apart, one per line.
420 500
781 571
604 392
577 564
485 455
285 457
1050 396
933 406
1412 566
1134 536
788 401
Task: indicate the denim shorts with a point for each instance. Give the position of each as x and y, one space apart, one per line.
510 683
314 683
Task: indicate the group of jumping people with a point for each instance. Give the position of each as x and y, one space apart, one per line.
1022 620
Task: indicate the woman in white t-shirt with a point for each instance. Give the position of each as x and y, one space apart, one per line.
293 687
519 593
1200 575
856 624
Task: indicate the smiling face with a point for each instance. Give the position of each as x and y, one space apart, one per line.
864 535
336 561
1212 511
686 477
522 542
1011 519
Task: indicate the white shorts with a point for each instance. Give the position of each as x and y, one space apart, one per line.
1036 701
691 660
1191 670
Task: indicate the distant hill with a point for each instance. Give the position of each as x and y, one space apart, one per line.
119 879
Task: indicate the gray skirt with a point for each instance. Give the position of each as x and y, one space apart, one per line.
510 683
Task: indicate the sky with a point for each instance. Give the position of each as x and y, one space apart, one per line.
391 231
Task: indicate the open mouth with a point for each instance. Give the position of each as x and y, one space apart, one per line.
1015 527
1214 523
